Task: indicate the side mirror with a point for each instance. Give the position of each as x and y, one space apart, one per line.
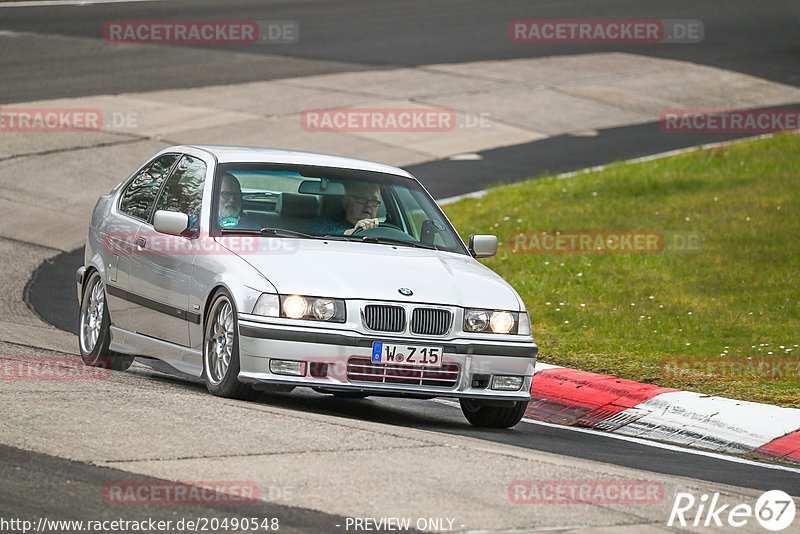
482 246
170 222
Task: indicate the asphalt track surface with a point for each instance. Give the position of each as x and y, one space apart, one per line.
756 38
42 486
760 39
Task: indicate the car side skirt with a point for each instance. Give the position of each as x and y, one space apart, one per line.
182 358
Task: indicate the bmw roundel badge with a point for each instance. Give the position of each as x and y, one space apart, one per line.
405 291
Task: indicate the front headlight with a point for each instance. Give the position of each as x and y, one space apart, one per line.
300 307
501 322
476 320
323 309
294 306
491 321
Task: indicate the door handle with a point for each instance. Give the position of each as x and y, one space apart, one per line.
141 241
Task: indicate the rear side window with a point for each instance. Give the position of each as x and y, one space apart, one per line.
183 191
138 197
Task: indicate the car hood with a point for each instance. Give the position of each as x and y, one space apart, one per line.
342 269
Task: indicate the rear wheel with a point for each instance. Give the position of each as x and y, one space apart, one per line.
94 334
221 350
485 414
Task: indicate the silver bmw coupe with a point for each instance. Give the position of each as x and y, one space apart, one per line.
261 269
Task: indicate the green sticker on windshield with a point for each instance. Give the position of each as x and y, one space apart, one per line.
229 222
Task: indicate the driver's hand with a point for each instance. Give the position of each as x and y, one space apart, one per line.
363 224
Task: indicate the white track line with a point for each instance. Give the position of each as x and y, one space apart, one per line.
649 443
42 3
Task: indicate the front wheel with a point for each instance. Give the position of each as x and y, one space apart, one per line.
221 350
94 334
484 414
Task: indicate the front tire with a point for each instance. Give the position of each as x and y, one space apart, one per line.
94 331
485 415
221 350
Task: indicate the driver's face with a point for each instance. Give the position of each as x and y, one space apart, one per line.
357 204
230 199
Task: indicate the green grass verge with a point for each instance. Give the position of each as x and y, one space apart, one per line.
737 299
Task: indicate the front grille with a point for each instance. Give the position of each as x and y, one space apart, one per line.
430 321
385 318
363 370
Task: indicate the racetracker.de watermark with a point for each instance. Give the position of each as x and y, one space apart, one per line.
606 31
65 120
225 32
729 121
744 368
149 243
53 368
389 120
585 491
50 119
604 242
180 493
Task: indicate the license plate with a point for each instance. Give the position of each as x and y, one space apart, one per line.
406 354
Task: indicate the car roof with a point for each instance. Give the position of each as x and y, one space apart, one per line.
248 154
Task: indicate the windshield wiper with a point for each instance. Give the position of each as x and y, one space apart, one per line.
282 232
277 232
380 240
390 241
341 237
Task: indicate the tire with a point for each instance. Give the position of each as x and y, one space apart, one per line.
94 329
221 349
487 416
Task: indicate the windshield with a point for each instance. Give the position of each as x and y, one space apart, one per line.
316 202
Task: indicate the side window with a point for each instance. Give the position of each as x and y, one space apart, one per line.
140 193
183 191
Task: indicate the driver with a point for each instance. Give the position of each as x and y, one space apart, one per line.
361 202
230 205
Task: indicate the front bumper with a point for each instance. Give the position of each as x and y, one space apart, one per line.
340 359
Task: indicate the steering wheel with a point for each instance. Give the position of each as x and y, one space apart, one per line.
381 225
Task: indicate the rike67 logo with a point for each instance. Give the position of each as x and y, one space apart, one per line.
774 510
